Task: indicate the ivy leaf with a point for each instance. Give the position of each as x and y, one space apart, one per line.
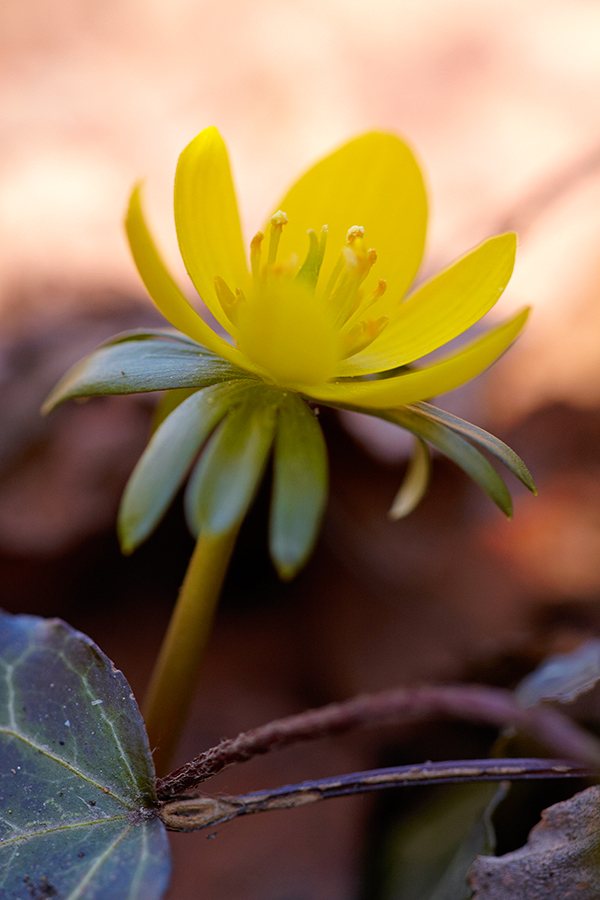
77 800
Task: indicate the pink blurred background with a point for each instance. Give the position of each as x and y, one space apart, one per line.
499 97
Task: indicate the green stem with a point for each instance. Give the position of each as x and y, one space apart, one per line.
175 674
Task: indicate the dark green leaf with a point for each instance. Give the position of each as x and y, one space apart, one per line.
299 486
430 852
138 366
229 471
164 464
488 441
76 776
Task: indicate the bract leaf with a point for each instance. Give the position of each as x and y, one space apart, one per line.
139 366
414 484
228 473
300 480
163 466
457 449
500 450
169 401
76 775
144 334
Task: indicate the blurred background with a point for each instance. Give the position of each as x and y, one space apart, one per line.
501 100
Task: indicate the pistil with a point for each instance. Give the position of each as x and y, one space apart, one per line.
310 268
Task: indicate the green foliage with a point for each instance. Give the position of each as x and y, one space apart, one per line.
230 469
76 776
142 362
300 481
448 434
168 457
429 853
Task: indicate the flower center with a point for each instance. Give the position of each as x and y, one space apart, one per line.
290 327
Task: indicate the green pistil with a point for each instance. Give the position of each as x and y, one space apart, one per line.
310 268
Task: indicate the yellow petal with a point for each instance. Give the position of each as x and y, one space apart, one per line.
163 289
440 310
373 181
286 334
422 384
207 220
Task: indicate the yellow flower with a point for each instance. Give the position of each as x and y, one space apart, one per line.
317 311
322 308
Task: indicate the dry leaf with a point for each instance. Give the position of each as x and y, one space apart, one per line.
560 860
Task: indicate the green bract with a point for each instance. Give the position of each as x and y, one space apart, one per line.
314 315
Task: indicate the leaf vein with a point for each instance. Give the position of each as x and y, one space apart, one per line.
41 748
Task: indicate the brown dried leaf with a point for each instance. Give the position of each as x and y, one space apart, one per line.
561 858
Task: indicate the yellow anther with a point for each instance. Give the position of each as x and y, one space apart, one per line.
361 335
229 301
369 300
226 298
357 231
255 248
277 221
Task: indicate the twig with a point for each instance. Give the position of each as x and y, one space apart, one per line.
194 813
474 703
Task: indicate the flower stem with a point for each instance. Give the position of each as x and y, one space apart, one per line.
175 674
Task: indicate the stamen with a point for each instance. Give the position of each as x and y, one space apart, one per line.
277 221
363 305
343 298
335 273
347 296
255 249
229 301
361 335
